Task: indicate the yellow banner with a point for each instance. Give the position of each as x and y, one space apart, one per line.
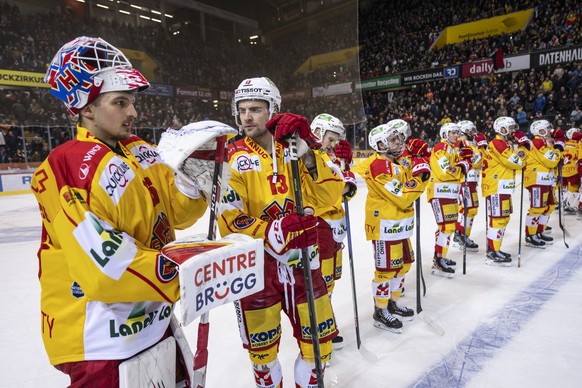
334 58
22 78
143 62
479 29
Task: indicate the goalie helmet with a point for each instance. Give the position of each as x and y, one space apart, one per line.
86 67
541 128
259 88
570 133
447 128
324 122
504 125
380 139
467 128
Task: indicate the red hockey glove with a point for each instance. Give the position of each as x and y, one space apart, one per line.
285 125
343 150
351 186
418 147
480 140
558 134
522 139
421 166
464 165
577 136
465 151
292 232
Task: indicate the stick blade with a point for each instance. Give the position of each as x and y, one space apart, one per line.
433 326
367 354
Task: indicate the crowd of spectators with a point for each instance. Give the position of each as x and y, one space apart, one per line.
394 37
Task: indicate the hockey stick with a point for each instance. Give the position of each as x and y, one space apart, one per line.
560 186
363 351
464 196
520 218
418 252
430 323
305 262
201 355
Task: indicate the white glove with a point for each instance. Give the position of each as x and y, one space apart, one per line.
195 170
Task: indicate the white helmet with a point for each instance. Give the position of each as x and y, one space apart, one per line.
467 128
570 133
542 128
86 67
402 127
504 125
383 134
326 122
259 88
447 128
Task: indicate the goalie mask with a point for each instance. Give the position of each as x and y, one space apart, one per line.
504 125
324 123
541 128
386 139
260 88
86 67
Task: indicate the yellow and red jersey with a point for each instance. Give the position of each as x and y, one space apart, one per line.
256 195
446 176
499 168
571 155
540 164
390 201
106 292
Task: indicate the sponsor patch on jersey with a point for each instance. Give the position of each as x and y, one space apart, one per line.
411 184
146 155
243 221
115 178
245 163
76 290
165 269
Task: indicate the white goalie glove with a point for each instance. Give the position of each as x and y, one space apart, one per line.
189 151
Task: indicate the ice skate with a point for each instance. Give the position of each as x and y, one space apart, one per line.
337 342
441 267
534 242
403 312
496 258
569 210
461 240
386 321
545 238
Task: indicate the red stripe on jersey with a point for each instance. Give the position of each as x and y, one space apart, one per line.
499 145
149 282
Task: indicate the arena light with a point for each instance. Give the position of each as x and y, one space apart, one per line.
156 20
135 6
145 17
156 12
125 12
168 16
81 1
102 6
253 37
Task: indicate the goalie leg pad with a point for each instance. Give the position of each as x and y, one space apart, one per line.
155 367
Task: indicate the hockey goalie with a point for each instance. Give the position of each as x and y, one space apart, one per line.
212 272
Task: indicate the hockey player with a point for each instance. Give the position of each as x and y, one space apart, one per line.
260 203
334 180
498 184
389 219
540 163
108 205
570 177
469 198
448 169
